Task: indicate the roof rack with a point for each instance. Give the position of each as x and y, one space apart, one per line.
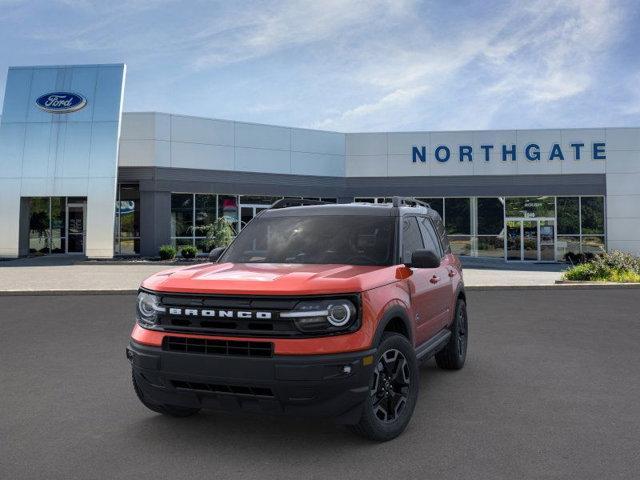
295 202
409 201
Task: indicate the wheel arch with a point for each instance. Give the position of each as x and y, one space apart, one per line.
395 319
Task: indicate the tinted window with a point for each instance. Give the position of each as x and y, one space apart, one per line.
490 216
411 238
592 215
429 235
317 239
568 215
440 230
457 216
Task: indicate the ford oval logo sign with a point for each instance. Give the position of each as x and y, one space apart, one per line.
61 102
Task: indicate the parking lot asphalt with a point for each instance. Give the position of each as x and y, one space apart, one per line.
550 390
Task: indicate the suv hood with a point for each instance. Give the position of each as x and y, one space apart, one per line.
270 279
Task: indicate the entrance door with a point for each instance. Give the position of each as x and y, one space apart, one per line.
547 240
513 247
530 240
75 227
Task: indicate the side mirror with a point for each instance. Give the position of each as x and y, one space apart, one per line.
214 254
424 259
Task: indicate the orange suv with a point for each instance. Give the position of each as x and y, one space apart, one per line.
314 309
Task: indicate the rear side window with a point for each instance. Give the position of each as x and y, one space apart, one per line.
442 233
431 241
411 238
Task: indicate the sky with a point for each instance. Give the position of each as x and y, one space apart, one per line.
349 65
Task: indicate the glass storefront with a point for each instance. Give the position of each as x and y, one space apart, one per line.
541 228
127 227
57 225
191 211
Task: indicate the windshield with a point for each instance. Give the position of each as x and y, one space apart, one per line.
317 239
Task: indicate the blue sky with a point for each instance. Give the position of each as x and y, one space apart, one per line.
350 65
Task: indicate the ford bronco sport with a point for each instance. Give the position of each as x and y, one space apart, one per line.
312 310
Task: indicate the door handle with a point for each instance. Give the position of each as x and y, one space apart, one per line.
434 279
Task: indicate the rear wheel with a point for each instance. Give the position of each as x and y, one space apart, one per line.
393 390
170 410
453 356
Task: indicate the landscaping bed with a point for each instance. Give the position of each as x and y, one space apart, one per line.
613 267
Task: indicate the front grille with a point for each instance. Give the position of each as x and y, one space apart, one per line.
218 347
231 316
228 389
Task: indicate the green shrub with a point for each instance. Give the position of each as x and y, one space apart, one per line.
188 251
583 271
617 260
219 233
167 252
607 267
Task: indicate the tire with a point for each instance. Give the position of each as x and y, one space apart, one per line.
393 390
454 354
169 410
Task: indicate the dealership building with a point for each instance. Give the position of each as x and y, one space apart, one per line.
79 176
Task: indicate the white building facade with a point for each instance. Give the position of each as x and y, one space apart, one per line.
521 195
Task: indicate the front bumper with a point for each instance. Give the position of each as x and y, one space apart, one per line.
311 385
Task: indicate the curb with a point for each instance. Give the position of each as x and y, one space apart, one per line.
469 288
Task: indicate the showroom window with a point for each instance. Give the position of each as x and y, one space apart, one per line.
127 220
581 223
57 225
47 225
592 218
457 220
530 207
189 211
490 218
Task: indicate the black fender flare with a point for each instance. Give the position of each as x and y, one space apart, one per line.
395 311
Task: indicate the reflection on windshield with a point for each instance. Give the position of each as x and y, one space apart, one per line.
317 239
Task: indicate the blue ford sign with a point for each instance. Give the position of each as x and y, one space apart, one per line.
61 102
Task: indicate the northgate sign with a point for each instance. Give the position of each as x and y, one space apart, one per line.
531 152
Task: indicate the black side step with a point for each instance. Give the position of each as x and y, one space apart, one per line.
430 347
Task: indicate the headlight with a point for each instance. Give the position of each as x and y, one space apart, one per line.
148 307
323 316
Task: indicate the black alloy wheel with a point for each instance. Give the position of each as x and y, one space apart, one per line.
393 390
391 383
454 354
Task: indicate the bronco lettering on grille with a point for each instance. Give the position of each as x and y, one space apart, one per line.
241 314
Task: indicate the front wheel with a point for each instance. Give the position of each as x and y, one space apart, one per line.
454 354
393 390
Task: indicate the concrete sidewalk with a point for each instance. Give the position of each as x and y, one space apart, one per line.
66 274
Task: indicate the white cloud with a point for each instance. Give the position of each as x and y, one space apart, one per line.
538 54
349 64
